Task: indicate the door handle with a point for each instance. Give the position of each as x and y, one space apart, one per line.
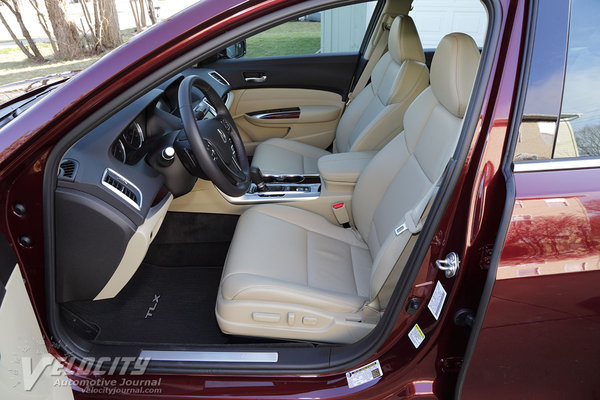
256 79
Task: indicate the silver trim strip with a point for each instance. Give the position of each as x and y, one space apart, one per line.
212 75
274 197
211 356
127 183
553 165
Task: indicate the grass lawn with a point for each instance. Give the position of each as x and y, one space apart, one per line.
286 39
289 38
16 67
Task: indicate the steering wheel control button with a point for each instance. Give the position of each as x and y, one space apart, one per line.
226 124
211 139
223 135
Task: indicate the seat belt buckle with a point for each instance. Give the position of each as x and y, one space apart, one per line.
399 230
341 214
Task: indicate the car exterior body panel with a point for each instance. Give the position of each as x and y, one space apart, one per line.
544 311
469 226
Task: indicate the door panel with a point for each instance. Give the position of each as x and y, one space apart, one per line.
544 311
27 371
330 72
317 84
313 118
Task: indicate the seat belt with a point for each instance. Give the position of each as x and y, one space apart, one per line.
376 54
396 244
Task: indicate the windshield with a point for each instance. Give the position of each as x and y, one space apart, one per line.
12 111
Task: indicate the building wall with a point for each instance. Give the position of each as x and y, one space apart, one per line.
343 28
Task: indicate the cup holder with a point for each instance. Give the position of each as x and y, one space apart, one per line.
287 178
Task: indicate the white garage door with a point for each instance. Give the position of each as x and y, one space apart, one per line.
436 18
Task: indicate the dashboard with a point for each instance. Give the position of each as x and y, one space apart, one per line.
110 181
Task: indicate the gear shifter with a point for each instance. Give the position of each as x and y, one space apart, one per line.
258 179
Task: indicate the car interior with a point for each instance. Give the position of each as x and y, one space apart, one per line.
258 203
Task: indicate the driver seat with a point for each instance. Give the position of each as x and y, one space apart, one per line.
292 274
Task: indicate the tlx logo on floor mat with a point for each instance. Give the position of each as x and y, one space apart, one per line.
152 307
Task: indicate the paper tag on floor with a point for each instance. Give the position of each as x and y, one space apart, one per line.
416 335
437 300
364 374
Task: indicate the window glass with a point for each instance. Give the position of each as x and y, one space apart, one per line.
580 111
541 109
436 18
551 129
340 29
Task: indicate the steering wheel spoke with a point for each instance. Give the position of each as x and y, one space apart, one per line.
216 143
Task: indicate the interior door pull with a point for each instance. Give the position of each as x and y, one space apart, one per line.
256 79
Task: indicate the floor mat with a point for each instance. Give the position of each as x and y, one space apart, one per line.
159 305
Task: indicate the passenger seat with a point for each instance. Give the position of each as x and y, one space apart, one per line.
320 282
372 119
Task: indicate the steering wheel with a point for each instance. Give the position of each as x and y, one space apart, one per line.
215 142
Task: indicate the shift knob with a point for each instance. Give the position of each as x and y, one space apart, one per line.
258 179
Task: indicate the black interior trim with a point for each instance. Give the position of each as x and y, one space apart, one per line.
322 358
508 205
330 72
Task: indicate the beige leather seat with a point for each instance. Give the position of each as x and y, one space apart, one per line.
292 274
373 118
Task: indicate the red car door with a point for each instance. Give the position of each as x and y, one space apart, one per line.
539 337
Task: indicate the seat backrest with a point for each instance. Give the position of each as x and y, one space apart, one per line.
374 117
403 173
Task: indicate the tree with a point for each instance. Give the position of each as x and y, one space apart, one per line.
44 24
105 31
151 11
588 140
33 53
111 33
139 8
66 32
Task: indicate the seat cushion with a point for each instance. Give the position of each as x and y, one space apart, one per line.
283 156
285 254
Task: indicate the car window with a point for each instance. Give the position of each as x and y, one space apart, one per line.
561 119
340 29
581 97
435 19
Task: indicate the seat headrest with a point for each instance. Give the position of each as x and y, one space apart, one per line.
403 41
453 71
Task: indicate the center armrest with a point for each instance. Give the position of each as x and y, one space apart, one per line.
341 171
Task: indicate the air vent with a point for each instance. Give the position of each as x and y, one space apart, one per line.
219 78
67 170
122 188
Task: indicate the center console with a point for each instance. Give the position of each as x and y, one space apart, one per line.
280 188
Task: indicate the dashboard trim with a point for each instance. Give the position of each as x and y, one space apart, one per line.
127 183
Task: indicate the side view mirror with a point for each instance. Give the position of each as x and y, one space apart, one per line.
237 50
